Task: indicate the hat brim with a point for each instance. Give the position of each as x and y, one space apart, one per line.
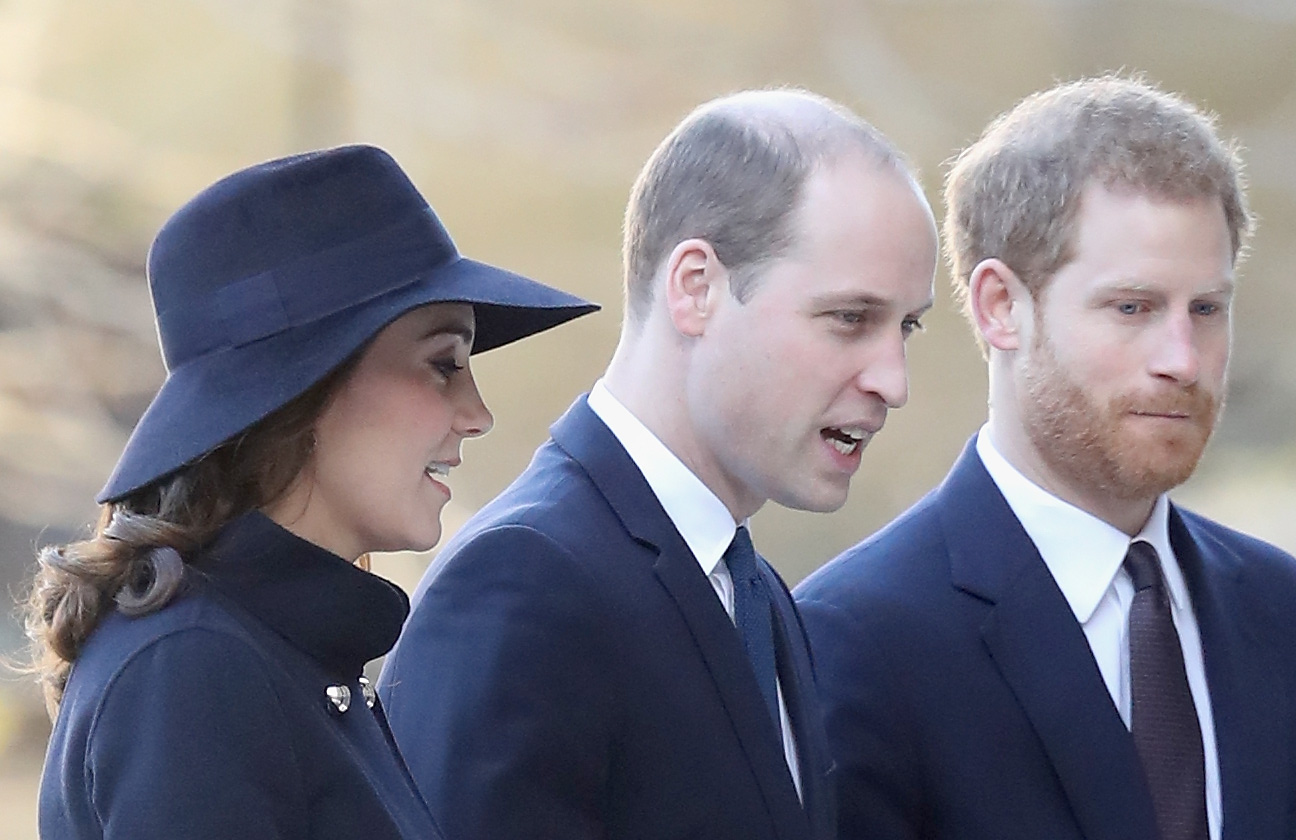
225 392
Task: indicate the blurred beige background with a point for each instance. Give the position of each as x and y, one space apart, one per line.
524 122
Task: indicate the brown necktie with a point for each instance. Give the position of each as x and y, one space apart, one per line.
1163 718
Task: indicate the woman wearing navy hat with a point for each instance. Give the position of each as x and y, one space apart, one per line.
204 648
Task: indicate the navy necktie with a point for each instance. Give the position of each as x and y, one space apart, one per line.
752 617
1163 718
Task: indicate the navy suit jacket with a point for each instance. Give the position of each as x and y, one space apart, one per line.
568 672
962 699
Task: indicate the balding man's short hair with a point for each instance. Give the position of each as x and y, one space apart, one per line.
1014 194
732 174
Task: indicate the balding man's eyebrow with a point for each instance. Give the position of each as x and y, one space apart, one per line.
863 301
859 300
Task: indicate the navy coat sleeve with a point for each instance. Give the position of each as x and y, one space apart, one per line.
500 692
190 733
870 730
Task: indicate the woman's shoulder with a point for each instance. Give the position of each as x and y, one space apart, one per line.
180 700
194 633
190 669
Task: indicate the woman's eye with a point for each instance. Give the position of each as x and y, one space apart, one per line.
447 367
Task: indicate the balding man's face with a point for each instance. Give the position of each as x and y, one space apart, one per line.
787 389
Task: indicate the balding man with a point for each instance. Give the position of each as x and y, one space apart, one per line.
600 652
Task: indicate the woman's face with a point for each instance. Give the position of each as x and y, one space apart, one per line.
376 480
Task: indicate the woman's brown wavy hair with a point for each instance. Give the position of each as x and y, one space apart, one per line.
135 559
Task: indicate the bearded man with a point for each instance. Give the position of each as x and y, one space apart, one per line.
1045 646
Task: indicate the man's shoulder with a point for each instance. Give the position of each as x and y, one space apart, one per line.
553 499
551 525
907 557
1255 580
1220 542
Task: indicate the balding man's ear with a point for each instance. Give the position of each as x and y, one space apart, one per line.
1001 304
695 278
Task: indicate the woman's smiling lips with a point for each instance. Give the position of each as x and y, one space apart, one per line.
439 470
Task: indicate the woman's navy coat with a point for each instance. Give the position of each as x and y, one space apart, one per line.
209 718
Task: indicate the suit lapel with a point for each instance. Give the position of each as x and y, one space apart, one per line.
796 676
719 645
1246 692
1043 655
587 440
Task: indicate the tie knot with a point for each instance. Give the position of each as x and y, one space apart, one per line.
740 557
1143 566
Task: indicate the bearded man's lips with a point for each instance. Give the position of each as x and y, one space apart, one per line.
1193 404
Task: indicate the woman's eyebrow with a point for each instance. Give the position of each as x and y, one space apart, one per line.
461 330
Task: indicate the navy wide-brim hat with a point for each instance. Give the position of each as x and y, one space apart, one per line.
272 277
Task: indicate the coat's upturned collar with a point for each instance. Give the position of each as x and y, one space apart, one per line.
334 611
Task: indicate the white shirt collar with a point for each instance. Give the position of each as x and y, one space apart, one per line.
1157 532
1082 552
698 514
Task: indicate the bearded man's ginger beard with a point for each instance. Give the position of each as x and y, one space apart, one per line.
1089 444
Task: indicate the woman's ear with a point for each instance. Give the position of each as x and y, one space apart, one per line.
695 279
1000 304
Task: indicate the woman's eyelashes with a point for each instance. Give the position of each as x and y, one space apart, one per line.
447 366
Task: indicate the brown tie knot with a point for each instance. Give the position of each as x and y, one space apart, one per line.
1143 566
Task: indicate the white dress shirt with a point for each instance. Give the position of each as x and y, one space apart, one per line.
698 514
1085 555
